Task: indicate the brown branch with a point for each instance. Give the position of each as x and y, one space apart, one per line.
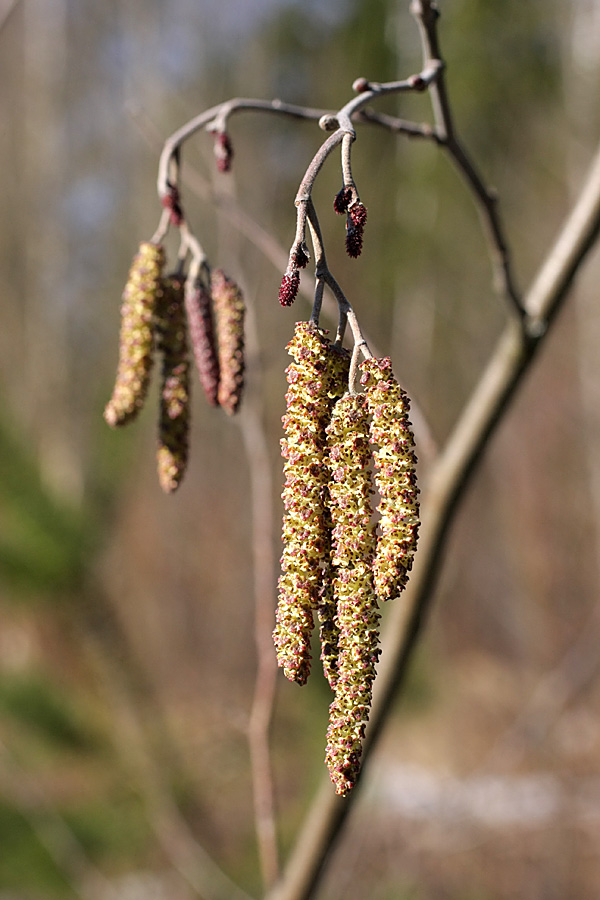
450 475
426 15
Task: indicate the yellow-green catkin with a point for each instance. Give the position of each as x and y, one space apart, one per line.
172 342
353 547
136 343
305 533
327 605
229 311
395 477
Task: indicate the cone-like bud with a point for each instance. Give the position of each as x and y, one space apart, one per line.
172 202
136 342
305 526
223 151
229 310
198 306
289 287
342 200
353 546
301 256
172 453
395 477
355 226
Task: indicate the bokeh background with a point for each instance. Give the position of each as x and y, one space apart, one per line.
127 657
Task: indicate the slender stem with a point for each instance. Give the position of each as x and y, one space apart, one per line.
399 126
346 161
306 185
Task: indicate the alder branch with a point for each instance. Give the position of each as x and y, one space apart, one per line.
426 15
449 478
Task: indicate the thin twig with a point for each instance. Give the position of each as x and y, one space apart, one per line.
219 114
426 15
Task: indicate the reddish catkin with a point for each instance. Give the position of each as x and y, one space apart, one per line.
353 547
136 341
305 533
395 477
229 310
198 306
171 330
290 284
355 226
223 149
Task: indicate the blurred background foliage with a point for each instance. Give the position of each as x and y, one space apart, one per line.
126 658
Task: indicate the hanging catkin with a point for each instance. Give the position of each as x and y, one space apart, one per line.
171 330
198 306
305 533
353 546
395 477
136 341
229 310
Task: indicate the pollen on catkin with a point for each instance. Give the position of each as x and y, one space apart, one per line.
136 341
229 310
339 364
171 330
198 306
395 477
305 532
353 547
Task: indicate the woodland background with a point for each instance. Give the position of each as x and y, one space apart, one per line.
126 617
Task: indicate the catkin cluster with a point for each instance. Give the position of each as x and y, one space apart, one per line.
164 314
338 559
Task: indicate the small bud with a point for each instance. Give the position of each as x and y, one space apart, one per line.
342 200
289 287
172 202
223 150
136 342
198 306
328 122
301 256
229 309
360 85
417 82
